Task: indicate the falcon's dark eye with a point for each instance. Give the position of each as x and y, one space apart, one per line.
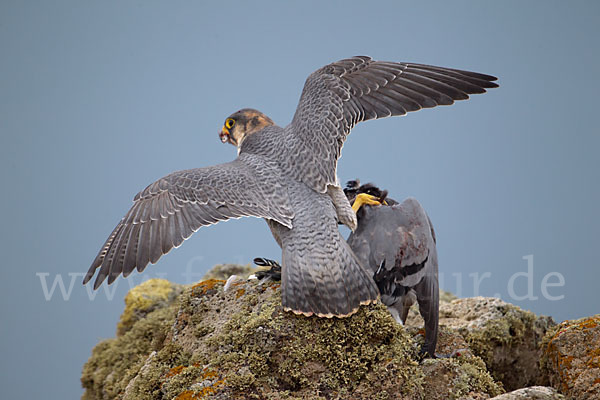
229 123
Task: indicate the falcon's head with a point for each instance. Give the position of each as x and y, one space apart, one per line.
243 123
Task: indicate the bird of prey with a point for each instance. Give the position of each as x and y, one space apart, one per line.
287 175
396 241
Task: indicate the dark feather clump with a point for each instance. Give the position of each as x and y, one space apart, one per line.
354 188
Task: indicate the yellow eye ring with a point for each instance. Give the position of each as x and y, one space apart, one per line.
229 123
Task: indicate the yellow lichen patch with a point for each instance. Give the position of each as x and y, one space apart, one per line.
204 287
142 299
239 293
590 323
209 374
594 361
187 395
174 371
583 324
200 393
571 354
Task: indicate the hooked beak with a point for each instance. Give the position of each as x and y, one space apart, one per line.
224 135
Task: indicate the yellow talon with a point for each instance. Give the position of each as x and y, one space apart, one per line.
363 199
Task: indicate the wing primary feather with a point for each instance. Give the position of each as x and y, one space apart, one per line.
400 91
109 263
463 77
379 108
132 214
142 254
470 74
453 93
155 241
101 255
187 222
162 204
130 253
119 255
165 235
214 213
178 232
440 98
105 266
145 209
201 216
398 100
458 83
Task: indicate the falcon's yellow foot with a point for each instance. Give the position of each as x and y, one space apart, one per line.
363 198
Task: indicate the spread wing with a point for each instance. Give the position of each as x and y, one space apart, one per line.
169 210
340 95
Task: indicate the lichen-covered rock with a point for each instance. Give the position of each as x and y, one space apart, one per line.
216 344
571 357
144 298
506 337
531 393
224 271
115 363
446 297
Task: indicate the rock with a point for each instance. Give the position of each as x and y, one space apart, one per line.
571 358
115 363
506 337
208 343
224 271
531 393
446 297
144 298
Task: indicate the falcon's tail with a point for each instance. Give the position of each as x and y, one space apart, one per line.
325 282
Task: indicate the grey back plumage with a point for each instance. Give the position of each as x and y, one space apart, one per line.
320 273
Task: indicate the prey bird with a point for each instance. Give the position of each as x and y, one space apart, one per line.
397 242
287 176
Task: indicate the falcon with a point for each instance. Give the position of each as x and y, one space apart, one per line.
397 242
287 175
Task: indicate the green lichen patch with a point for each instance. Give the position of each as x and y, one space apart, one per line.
115 363
459 377
506 337
144 298
446 297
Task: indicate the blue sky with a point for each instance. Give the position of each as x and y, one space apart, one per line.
97 100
